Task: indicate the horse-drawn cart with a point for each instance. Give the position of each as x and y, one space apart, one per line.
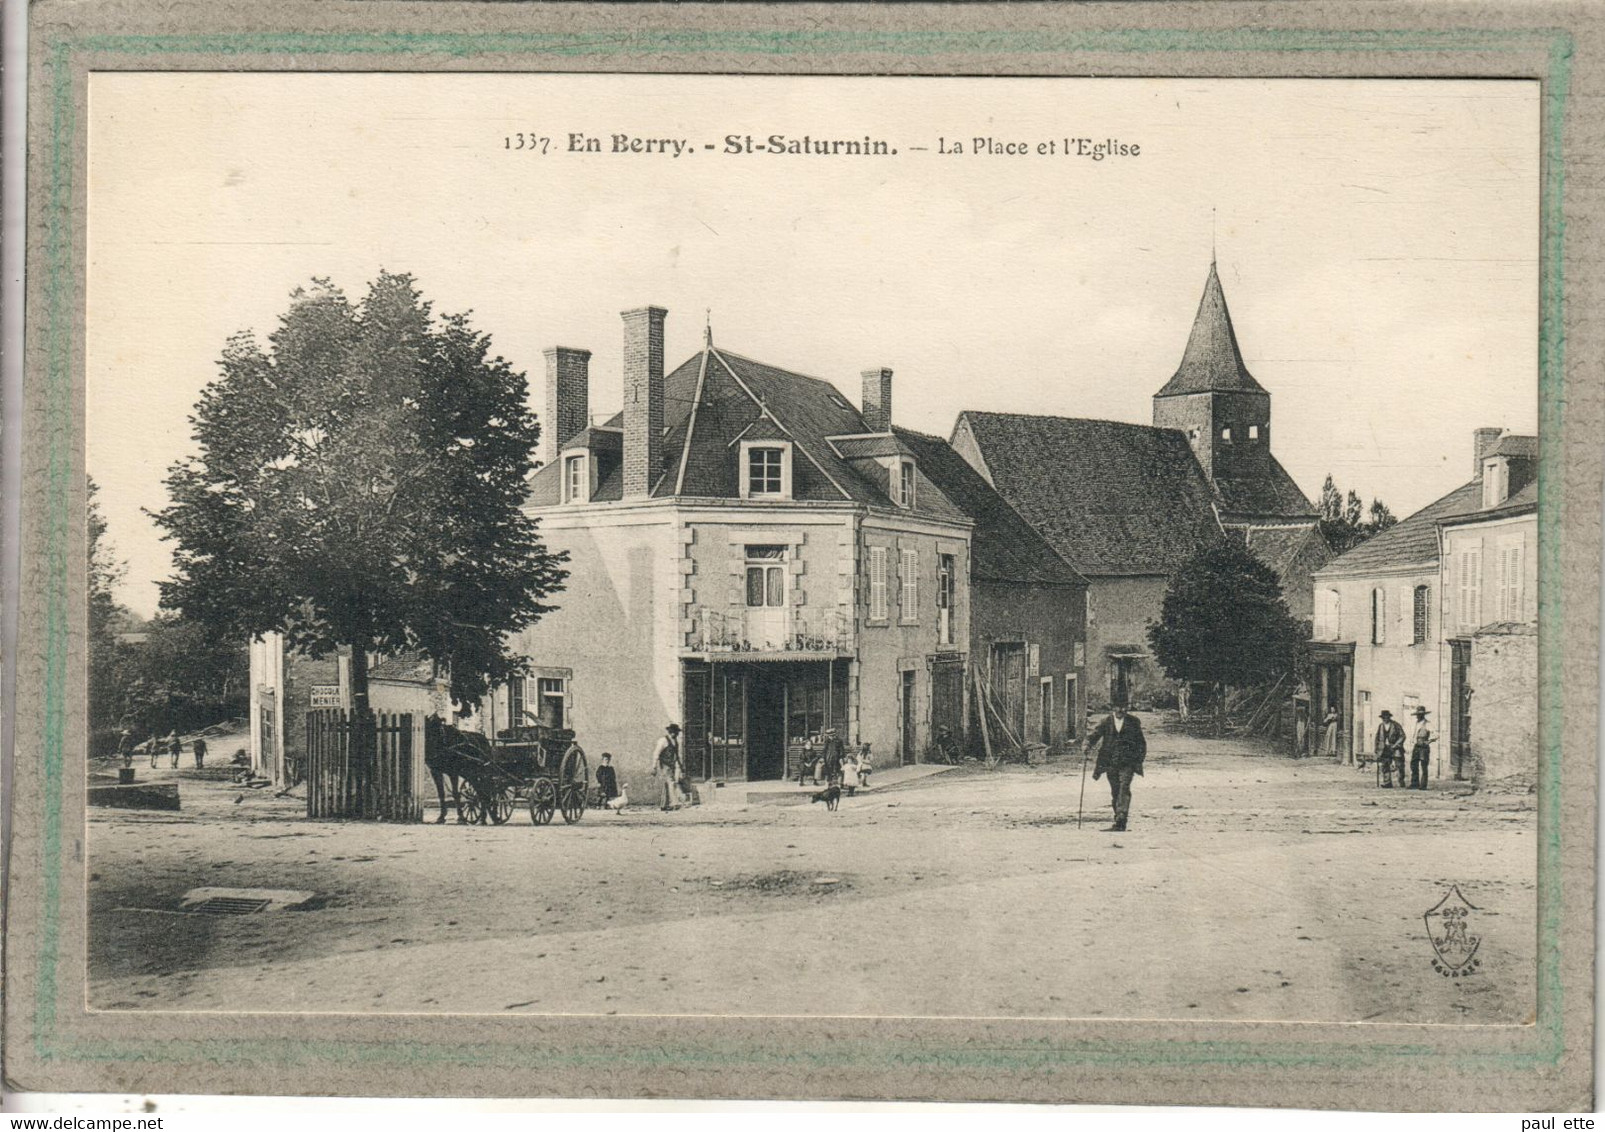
539 767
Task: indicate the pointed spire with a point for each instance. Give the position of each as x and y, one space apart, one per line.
1212 362
707 328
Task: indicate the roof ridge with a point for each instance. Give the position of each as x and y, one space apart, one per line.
691 419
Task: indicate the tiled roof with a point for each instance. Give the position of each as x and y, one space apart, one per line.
1409 541
1003 547
598 439
1517 447
1110 498
1278 547
878 446
717 398
1275 494
407 668
1522 502
1212 362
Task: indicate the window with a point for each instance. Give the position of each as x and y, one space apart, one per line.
1253 432
764 471
905 483
1329 619
877 583
1510 581
515 702
946 567
766 577
1226 433
551 695
1470 586
1379 616
909 590
574 485
1420 615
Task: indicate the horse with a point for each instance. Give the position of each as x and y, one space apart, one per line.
450 752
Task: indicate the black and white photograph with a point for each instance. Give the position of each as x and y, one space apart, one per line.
813 546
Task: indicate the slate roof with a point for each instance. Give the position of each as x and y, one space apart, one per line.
717 398
1410 541
597 439
1003 546
1111 498
1212 362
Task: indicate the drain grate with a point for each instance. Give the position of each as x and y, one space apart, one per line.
228 906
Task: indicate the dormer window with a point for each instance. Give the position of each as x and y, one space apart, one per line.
1495 482
903 496
765 470
575 480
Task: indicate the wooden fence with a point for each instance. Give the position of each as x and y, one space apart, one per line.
373 771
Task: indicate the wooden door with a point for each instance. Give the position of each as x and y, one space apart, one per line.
1460 705
906 731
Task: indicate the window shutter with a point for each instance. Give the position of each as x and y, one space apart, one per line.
910 596
877 583
1404 612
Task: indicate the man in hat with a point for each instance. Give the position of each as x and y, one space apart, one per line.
1389 747
666 766
1121 750
1420 752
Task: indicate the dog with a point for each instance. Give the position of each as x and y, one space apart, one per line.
830 795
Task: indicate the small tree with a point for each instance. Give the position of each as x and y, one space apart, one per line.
358 485
1346 522
1224 622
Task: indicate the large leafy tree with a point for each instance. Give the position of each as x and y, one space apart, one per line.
357 484
1224 621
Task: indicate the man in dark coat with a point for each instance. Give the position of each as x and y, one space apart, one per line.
1389 747
1121 750
832 755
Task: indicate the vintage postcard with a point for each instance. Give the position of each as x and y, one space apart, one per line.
578 559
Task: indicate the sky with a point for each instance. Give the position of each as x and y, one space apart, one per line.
1377 243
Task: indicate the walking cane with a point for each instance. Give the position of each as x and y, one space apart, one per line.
1086 749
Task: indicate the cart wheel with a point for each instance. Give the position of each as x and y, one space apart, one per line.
499 805
473 804
542 801
575 780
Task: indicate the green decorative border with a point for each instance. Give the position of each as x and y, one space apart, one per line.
55 337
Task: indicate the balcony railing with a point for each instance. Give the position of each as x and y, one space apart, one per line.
821 631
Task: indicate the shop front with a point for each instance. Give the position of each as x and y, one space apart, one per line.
758 719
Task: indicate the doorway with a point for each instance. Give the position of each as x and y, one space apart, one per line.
1045 731
1120 681
766 726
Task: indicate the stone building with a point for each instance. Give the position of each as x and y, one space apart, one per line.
1127 504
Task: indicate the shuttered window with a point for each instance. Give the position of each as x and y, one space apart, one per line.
877 583
1379 616
1510 582
1470 587
1420 614
909 598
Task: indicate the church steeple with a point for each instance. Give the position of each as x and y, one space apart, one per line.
1213 399
1212 362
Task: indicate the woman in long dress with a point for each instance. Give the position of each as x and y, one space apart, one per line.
1329 732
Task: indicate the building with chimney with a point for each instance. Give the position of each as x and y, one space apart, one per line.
1127 504
752 557
1440 611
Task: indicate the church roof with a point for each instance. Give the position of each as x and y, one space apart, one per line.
1212 363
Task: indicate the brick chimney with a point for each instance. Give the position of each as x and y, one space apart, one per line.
877 400
568 399
1482 443
643 399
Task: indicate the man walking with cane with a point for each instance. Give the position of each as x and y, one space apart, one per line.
1121 750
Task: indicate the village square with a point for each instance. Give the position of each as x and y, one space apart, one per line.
750 700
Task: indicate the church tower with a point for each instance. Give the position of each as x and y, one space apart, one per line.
1214 400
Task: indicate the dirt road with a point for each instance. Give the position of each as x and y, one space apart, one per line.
1249 886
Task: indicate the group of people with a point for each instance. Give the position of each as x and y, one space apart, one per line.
833 764
1389 749
156 746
